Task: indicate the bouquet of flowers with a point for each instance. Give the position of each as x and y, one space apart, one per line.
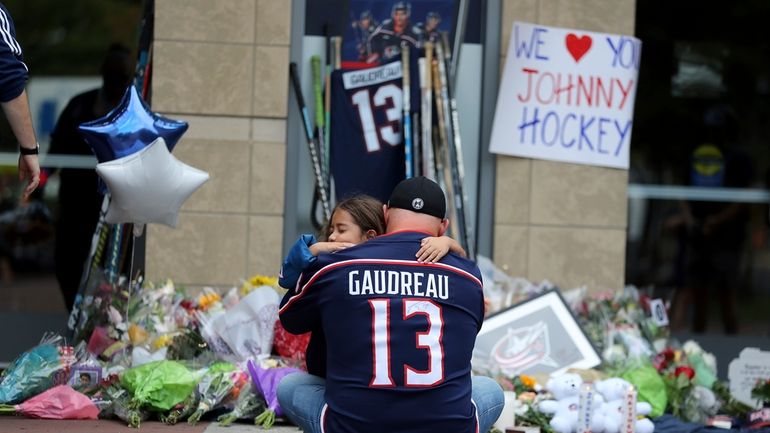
528 395
42 367
266 380
689 375
120 402
246 405
158 386
181 410
216 384
290 346
60 402
615 323
257 281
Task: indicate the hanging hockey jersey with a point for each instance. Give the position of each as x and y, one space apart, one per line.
367 155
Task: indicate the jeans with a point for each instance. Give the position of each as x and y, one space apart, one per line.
301 397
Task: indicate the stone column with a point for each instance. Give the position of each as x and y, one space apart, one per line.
223 67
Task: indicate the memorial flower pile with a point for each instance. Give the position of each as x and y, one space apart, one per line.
157 351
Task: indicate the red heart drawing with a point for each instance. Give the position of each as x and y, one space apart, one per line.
578 46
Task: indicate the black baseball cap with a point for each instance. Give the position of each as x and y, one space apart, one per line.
419 194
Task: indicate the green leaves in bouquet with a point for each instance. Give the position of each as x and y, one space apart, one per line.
761 391
730 405
535 418
678 388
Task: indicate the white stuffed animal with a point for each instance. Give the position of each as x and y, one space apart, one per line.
613 390
566 391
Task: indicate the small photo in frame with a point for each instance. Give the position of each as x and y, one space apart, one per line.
85 376
536 336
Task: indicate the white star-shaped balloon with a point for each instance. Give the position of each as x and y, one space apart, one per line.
149 186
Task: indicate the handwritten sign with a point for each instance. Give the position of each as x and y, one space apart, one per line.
567 95
752 364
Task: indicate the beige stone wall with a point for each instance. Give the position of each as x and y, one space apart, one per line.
223 67
556 221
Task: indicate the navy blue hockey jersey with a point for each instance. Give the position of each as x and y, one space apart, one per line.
399 336
367 155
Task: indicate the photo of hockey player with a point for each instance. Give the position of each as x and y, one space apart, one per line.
385 42
363 28
388 23
429 30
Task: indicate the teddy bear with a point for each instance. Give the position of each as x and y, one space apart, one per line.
566 391
613 390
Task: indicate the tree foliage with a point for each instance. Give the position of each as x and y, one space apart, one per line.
71 37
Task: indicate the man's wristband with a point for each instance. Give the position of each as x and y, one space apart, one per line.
26 151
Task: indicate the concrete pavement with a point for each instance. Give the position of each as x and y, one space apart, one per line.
12 424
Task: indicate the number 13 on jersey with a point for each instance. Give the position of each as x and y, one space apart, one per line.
387 98
428 341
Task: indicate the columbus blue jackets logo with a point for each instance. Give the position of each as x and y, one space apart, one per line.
522 348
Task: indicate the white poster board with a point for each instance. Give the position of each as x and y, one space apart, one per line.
567 95
743 372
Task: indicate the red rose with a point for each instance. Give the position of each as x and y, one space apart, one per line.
683 369
660 362
663 359
644 302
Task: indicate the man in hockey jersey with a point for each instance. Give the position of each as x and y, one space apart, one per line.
399 333
385 42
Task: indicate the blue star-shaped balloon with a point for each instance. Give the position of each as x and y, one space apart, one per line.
129 128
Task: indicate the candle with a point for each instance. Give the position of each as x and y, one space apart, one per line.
628 415
585 409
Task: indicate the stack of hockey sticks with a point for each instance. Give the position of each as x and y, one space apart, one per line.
318 137
436 151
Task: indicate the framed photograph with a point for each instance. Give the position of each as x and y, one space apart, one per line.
85 376
376 28
539 335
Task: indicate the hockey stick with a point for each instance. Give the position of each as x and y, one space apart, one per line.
426 103
310 141
416 149
443 174
426 84
333 64
453 149
406 91
457 151
459 38
315 63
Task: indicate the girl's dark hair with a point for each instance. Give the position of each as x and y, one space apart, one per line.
366 212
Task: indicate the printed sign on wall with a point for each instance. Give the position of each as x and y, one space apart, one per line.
567 95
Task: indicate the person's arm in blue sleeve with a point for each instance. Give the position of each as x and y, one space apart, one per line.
298 259
302 255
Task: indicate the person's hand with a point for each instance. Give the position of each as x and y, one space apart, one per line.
432 249
328 247
29 169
